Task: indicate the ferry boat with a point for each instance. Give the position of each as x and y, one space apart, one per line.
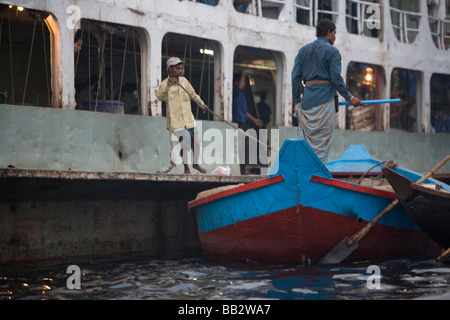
84 145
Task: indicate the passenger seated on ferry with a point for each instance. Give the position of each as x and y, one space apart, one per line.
440 123
129 97
241 5
77 43
264 110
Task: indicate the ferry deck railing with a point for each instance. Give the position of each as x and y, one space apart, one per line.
312 6
443 37
361 12
256 4
402 25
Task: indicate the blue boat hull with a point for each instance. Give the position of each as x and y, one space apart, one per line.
301 212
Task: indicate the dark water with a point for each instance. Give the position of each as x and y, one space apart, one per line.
144 278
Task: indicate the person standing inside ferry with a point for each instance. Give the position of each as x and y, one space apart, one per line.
177 91
318 65
242 117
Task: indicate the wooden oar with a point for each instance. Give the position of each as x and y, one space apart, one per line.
349 244
444 255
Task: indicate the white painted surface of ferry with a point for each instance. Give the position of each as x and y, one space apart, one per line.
390 49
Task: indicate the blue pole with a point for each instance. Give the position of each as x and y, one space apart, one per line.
346 103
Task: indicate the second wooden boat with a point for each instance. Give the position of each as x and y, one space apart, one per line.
427 204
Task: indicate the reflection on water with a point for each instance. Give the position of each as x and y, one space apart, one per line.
141 277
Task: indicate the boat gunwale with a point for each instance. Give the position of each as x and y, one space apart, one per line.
238 189
337 174
440 193
272 180
350 186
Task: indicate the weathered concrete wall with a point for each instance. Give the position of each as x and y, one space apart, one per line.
33 231
66 139
49 214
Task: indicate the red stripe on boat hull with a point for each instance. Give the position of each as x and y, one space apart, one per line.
290 235
230 192
350 186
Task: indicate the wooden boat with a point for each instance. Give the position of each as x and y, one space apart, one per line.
301 212
427 204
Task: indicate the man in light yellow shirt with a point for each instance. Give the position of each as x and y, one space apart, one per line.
177 92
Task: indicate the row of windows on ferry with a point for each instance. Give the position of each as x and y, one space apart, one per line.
108 68
362 16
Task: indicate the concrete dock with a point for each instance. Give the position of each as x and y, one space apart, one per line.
51 214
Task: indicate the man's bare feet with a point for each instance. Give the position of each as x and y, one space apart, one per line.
198 168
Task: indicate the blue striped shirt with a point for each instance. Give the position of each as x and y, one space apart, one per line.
239 108
318 60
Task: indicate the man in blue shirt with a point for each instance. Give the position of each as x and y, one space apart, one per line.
241 116
318 65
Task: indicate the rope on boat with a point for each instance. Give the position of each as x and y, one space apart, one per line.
390 164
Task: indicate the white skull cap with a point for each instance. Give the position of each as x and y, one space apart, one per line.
173 62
